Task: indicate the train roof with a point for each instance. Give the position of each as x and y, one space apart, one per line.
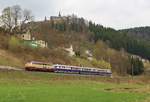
37 62
80 67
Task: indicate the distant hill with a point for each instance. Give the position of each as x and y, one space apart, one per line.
139 32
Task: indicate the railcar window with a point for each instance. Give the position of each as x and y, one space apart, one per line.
94 69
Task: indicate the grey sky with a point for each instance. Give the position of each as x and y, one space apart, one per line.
112 13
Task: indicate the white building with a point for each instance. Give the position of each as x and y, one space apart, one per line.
41 43
89 54
70 50
28 37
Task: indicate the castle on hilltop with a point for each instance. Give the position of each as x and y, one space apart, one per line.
69 19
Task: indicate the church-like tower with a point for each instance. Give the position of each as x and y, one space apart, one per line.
59 14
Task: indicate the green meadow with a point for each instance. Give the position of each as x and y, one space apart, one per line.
46 87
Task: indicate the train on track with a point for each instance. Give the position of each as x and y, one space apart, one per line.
57 68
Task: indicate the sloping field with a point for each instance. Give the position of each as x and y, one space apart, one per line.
8 59
44 87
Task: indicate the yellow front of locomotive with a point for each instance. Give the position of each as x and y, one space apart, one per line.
30 66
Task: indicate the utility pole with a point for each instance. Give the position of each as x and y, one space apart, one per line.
132 67
132 71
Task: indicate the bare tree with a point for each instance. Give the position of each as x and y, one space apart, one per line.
14 18
6 19
16 13
26 17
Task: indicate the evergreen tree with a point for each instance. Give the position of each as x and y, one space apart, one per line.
137 66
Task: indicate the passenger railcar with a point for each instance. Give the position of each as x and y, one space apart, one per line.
81 70
38 66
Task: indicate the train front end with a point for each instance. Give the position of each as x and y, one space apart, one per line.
38 66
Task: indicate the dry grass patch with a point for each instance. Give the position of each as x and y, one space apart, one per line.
8 59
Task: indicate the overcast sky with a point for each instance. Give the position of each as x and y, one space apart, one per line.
118 14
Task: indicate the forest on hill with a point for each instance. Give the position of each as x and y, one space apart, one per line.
109 48
120 40
139 32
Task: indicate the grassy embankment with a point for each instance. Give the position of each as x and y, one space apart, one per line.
45 87
8 59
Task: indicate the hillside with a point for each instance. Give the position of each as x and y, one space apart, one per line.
103 56
121 40
93 45
8 59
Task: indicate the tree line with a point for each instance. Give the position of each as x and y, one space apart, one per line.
120 41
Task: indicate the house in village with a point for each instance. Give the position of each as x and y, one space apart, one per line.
26 36
70 51
89 55
30 40
142 59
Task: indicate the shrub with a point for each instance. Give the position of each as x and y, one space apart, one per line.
101 64
14 44
3 41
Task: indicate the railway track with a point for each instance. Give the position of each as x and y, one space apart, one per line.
9 68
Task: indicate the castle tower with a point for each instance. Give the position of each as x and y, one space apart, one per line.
45 19
59 14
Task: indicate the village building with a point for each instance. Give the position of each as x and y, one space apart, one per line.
70 51
142 59
89 55
30 40
41 43
26 36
